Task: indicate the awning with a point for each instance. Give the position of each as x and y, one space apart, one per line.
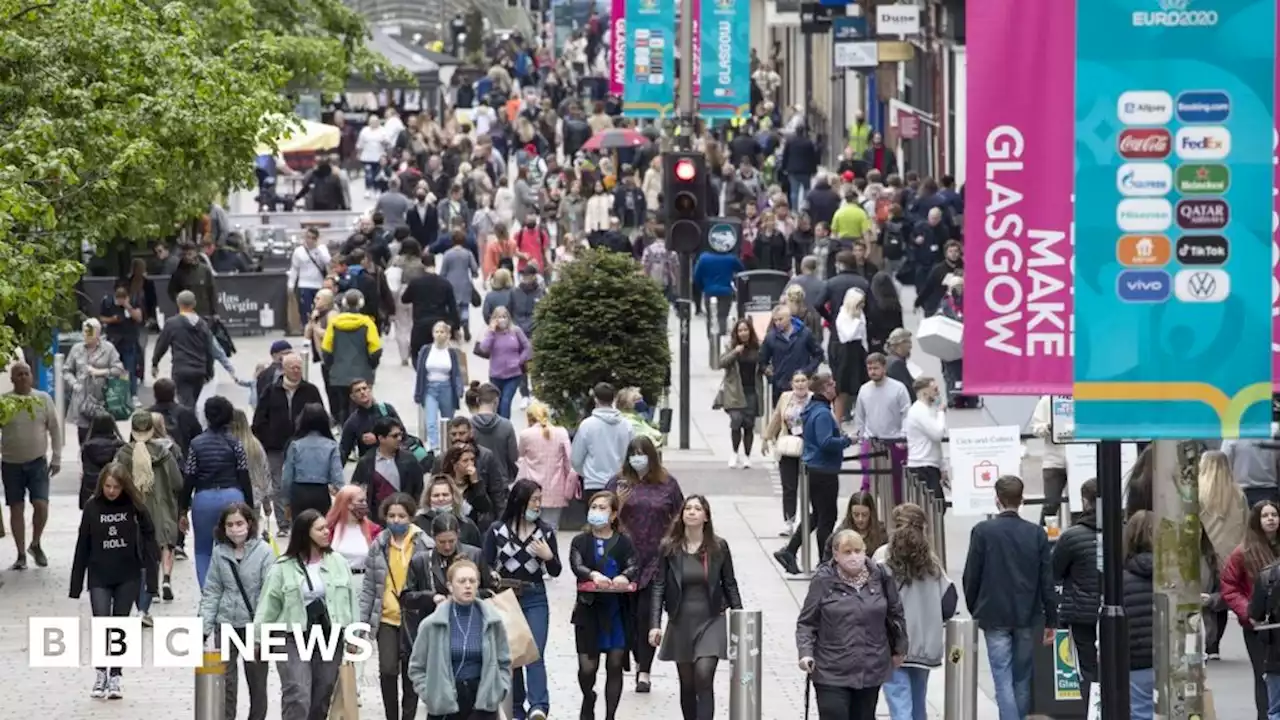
424 70
311 137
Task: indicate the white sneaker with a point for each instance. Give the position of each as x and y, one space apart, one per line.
746 463
735 461
114 692
524 403
99 685
788 527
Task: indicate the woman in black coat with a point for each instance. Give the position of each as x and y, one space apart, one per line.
603 560
426 584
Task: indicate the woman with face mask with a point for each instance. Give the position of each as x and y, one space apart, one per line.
604 562
851 632
523 549
441 498
241 561
386 572
649 499
508 350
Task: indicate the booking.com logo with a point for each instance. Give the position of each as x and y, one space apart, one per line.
55 642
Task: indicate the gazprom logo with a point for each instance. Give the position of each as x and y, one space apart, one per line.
1175 13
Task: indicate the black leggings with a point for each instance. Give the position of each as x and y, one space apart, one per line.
789 473
393 671
742 427
824 504
697 688
114 601
588 667
1257 658
839 703
642 650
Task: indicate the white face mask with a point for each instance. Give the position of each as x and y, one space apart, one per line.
238 535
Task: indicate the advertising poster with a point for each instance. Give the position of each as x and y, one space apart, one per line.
979 456
1066 680
1082 466
617 46
1275 255
725 73
649 87
1018 239
1174 126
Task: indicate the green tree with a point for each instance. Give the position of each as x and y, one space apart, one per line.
603 321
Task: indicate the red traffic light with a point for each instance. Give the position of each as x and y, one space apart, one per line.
685 171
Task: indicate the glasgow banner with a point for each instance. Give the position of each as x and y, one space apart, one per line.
1018 242
1174 118
725 70
617 46
649 88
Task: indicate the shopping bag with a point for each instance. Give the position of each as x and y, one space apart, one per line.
1095 702
345 705
1210 712
524 651
941 337
119 400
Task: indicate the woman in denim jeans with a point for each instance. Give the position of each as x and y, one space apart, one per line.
508 350
1139 565
439 384
312 470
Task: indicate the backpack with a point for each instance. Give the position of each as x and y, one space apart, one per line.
411 444
883 205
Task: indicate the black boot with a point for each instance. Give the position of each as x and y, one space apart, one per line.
588 706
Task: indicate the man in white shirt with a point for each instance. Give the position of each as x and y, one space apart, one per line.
307 270
925 426
1053 464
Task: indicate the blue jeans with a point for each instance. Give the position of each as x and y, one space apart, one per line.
306 303
206 507
129 358
799 189
507 387
1273 696
533 601
438 406
1142 698
1009 652
370 175
905 694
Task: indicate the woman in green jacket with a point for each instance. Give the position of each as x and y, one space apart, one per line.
158 477
461 627
307 574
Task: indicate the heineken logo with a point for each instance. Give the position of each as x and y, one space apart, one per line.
1198 179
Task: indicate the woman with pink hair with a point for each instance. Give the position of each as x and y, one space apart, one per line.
351 532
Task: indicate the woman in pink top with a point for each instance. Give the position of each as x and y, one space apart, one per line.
544 458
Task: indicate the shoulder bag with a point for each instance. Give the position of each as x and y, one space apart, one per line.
235 573
317 611
894 629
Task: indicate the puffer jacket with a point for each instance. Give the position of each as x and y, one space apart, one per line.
375 573
221 601
845 630
95 454
1075 566
1138 591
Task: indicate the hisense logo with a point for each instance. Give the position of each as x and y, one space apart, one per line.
1175 13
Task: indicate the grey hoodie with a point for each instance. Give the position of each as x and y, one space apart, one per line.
600 447
498 436
1252 465
927 604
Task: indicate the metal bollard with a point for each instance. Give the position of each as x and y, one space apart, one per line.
939 528
210 692
422 423
443 429
802 508
305 352
745 664
961 699
713 336
60 398
882 482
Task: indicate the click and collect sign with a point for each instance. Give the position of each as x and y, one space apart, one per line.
1174 112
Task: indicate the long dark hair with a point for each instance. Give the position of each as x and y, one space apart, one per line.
874 535
448 466
313 419
640 445
910 557
753 340
673 542
1260 550
518 501
300 543
885 293
124 476
236 508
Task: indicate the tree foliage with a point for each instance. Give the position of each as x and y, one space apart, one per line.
121 119
603 321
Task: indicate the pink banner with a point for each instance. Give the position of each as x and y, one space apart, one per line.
1018 235
1275 252
617 46
697 48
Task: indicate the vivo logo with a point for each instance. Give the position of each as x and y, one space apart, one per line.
1144 179
1143 286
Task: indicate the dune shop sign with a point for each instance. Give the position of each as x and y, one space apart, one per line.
248 303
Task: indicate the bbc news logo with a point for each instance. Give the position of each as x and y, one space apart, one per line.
1144 143
1144 179
1204 106
1203 143
55 642
1145 107
1202 179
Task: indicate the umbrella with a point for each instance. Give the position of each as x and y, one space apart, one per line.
615 139
311 137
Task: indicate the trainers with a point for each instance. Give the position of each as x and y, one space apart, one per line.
788 527
787 561
166 591
538 714
99 685
282 533
19 564
524 402
179 553
114 692
746 462
735 461
146 620
38 555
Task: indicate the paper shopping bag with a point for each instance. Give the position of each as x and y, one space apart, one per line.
1210 712
524 651
345 700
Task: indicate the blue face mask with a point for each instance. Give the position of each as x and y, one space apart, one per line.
532 515
398 529
639 463
597 518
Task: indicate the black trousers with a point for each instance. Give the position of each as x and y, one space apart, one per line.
114 601
824 505
309 496
789 474
839 703
466 690
930 477
1257 658
643 651
1085 637
255 676
393 672
188 389
1055 487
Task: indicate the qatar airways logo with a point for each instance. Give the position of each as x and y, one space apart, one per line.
1173 14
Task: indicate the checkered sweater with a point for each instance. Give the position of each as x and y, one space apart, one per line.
505 552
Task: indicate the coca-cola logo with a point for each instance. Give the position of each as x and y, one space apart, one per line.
1145 143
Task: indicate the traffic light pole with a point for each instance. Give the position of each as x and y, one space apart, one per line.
684 86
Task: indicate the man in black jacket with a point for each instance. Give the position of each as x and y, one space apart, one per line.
799 162
389 468
357 431
424 224
823 201
1008 588
275 422
179 421
828 304
193 274
1075 567
192 343
433 301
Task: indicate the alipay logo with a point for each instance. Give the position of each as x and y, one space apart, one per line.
1140 216
1202 286
1143 286
1144 179
1145 107
1175 13
1203 143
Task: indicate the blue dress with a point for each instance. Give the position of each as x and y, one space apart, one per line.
609 635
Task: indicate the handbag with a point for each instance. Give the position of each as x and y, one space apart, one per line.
524 651
895 630
345 704
119 399
789 446
317 611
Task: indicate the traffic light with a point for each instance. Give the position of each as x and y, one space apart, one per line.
684 200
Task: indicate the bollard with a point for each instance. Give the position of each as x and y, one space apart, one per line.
60 398
210 691
422 424
443 429
713 336
305 352
802 508
961 699
940 528
882 481
745 664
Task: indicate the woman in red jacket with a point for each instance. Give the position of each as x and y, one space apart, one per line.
1261 547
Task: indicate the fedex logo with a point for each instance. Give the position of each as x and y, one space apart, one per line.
1203 143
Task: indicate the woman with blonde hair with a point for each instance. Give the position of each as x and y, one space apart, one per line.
1224 516
442 497
324 311
848 350
158 478
802 310
259 469
784 434
544 457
